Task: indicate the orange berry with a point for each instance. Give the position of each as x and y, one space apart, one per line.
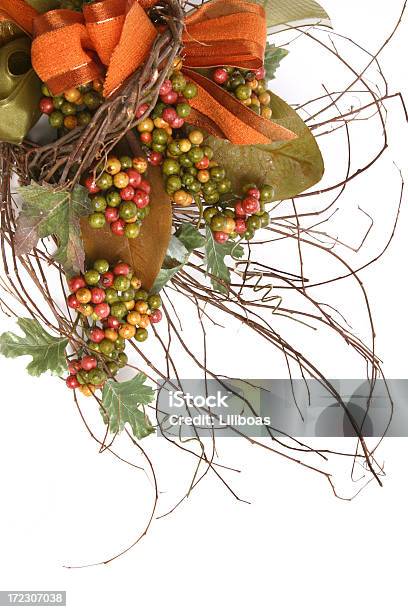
134 318
135 282
146 125
130 304
86 310
127 331
72 95
84 295
144 321
111 334
87 390
70 122
203 176
140 164
141 307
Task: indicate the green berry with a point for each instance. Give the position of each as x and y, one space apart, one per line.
122 360
190 91
267 193
99 203
160 136
141 295
112 367
196 154
113 199
154 301
111 296
96 220
68 109
141 334
132 230
127 210
97 376
106 347
170 166
92 100
105 181
56 119
84 118
118 310
120 344
183 110
92 277
173 183
101 266
179 82
126 162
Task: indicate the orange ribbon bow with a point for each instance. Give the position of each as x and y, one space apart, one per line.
71 48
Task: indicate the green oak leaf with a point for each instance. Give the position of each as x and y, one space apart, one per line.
46 212
181 245
215 256
48 352
279 12
121 403
273 57
290 166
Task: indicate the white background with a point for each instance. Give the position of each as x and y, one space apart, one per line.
296 545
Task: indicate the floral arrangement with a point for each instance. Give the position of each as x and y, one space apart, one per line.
161 154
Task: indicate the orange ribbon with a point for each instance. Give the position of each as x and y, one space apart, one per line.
71 48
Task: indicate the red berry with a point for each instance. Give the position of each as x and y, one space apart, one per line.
239 211
203 164
220 237
72 382
166 87
155 158
134 177
113 323
182 100
46 106
121 269
169 98
141 110
74 366
220 76
76 282
107 279
260 73
127 193
88 362
111 214
118 227
102 310
146 137
141 199
90 184
250 205
98 295
97 335
254 193
240 226
145 185
156 316
169 115
177 123
73 301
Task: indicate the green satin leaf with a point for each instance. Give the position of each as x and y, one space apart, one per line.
290 167
279 12
20 91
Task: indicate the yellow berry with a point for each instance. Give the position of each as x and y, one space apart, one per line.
121 180
266 112
127 331
130 304
72 95
86 310
139 164
87 390
111 334
113 166
135 282
84 295
203 176
146 125
141 306
185 145
133 318
196 137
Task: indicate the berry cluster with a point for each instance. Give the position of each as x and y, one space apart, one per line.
74 108
247 86
242 217
170 113
119 195
190 172
114 298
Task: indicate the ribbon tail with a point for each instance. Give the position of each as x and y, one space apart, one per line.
227 116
